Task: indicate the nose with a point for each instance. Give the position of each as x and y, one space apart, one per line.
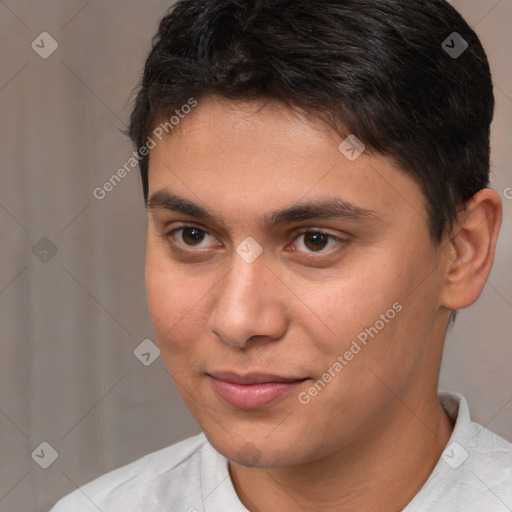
249 304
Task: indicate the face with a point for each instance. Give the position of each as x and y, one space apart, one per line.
294 292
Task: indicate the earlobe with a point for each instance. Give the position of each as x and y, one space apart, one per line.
472 246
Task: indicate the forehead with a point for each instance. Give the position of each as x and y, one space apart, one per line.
253 157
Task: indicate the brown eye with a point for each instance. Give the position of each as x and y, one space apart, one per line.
192 236
315 241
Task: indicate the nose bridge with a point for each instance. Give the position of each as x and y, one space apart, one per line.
245 304
243 289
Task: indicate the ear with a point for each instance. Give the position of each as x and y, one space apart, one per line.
472 246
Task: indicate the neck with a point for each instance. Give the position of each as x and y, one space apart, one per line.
382 469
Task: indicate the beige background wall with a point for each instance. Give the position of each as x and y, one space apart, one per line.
69 325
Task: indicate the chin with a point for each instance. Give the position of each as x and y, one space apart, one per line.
254 450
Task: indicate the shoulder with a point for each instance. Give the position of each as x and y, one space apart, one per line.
490 457
474 471
483 454
481 471
141 481
476 445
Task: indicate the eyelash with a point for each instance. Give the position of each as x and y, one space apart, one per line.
168 237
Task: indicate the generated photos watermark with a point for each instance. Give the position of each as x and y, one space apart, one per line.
158 133
356 347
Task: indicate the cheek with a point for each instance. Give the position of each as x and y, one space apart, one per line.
347 303
176 303
376 312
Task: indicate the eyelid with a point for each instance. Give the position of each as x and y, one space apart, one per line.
168 236
321 231
314 229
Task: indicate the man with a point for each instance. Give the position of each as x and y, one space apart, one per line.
316 179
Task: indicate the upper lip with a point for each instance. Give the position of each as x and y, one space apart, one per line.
252 378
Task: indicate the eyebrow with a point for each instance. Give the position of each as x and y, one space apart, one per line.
310 210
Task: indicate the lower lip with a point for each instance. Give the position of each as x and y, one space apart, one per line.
252 396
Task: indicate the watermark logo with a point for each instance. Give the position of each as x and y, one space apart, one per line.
44 250
454 45
147 352
249 454
45 455
44 45
455 455
249 249
352 148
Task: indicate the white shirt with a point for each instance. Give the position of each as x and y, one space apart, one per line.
474 473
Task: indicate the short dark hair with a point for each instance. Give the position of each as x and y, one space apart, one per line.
373 68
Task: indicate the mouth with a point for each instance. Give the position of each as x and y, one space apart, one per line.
254 390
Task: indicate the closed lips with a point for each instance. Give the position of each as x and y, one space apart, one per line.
254 378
